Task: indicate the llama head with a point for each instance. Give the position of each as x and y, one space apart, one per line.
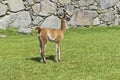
64 15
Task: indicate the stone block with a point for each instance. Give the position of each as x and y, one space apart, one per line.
109 16
30 2
37 20
64 1
16 5
69 8
20 19
85 2
36 8
25 30
118 6
52 22
4 22
107 3
3 9
83 17
47 9
96 21
37 1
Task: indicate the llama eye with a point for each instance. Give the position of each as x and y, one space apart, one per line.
67 19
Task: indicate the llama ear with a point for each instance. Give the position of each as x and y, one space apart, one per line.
64 13
66 16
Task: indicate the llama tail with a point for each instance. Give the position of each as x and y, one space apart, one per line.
38 28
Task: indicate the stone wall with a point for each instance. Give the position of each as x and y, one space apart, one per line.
27 13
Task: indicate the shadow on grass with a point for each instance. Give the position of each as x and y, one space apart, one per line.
38 59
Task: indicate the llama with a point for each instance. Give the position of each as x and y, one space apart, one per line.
54 35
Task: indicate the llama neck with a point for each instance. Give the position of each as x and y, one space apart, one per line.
63 25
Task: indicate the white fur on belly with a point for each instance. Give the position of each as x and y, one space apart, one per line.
50 37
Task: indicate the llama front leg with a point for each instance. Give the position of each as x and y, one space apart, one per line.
58 52
42 49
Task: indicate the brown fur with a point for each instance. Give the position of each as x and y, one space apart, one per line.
54 35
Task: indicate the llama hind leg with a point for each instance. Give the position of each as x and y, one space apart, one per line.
40 42
43 52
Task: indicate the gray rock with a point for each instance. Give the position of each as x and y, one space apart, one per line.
107 3
94 7
64 1
97 1
96 21
4 22
3 9
85 2
108 16
47 9
51 22
83 17
69 8
103 25
37 1
118 5
1 0
16 5
60 12
117 22
20 19
25 30
4 2
53 0
37 20
30 2
36 8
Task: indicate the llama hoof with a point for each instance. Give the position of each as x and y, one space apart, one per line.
45 62
59 60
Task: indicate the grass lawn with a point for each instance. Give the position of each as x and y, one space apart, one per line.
87 54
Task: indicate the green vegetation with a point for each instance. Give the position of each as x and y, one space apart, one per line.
87 54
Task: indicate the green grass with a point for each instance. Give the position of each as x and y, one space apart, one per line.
87 54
